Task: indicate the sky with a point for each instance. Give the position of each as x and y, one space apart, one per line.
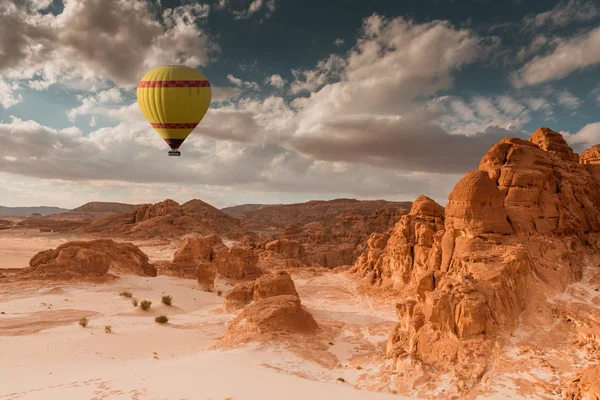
311 99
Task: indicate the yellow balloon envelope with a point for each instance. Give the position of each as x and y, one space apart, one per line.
174 99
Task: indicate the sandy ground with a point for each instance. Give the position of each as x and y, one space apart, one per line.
46 354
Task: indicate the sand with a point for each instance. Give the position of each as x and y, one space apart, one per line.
47 355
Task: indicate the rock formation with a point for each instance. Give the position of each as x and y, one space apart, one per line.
168 219
333 233
583 385
236 263
193 251
88 259
271 284
529 213
591 161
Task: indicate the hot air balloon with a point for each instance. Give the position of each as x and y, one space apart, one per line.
174 99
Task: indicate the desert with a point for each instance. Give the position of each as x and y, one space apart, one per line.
316 199
495 295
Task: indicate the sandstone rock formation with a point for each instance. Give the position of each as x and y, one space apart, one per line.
168 219
269 317
236 263
333 233
529 213
583 385
88 259
270 284
591 161
191 252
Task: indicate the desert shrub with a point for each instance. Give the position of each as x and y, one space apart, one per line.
145 304
219 293
358 367
83 322
107 329
166 300
126 294
134 302
162 319
341 380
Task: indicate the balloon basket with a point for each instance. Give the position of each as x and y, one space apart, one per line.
176 153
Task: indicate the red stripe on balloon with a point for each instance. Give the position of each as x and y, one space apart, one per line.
169 125
153 84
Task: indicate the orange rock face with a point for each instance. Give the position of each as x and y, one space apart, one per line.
264 318
583 385
87 259
591 161
192 251
271 284
530 212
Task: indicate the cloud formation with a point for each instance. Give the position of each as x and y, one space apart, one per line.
569 55
92 41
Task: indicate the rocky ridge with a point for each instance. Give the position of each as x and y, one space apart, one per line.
517 231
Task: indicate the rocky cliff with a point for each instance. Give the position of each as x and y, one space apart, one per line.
516 231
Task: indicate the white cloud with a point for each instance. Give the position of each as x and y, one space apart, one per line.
310 80
93 41
88 104
563 14
8 97
569 100
220 94
585 138
93 121
568 56
276 80
117 154
240 83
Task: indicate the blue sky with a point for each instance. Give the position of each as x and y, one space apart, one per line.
311 99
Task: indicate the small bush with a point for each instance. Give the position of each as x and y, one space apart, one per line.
166 300
330 343
126 294
83 322
134 302
163 319
219 293
341 380
145 304
107 329
358 367
2 312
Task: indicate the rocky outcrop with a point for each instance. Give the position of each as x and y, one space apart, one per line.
191 252
271 284
530 212
333 233
583 385
168 219
287 248
408 254
269 318
239 297
590 159
88 259
236 263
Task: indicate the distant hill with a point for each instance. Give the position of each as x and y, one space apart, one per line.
167 219
280 215
334 232
26 211
103 207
